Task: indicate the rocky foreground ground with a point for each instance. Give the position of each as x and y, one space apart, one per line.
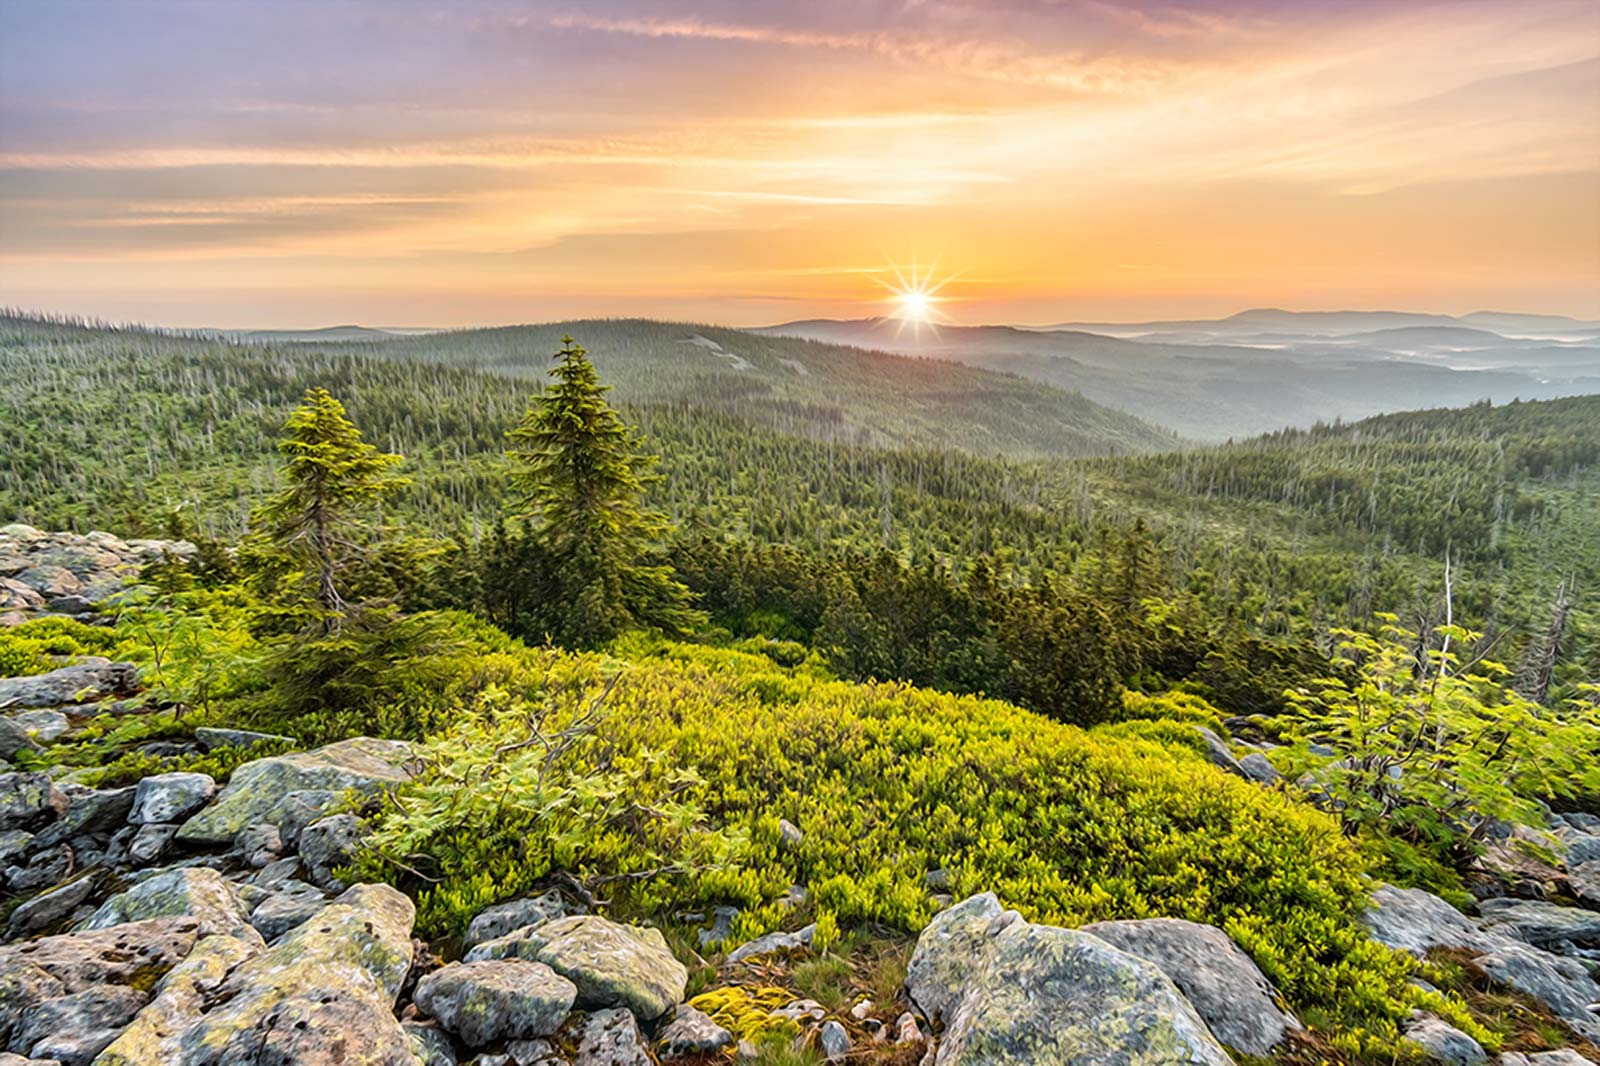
176 921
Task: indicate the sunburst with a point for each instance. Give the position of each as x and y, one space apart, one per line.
914 299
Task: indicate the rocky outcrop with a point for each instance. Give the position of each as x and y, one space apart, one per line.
67 573
1012 992
502 918
260 791
1224 985
194 890
170 797
89 680
499 999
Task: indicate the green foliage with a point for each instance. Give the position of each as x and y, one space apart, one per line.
43 644
1434 746
130 767
581 474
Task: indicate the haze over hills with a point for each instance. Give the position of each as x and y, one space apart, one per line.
1260 371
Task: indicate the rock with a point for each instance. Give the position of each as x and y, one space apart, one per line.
906 1029
1443 1042
13 844
170 797
149 843
1218 752
325 993
1559 1057
286 909
51 582
48 908
1583 848
430 1044
329 843
1544 925
301 808
193 890
14 738
766 945
258 845
135 953
1585 881
538 1052
29 800
789 834
211 738
258 790
91 813
1258 768
179 998
482 1002
833 1041
44 868
494 922
92 679
1415 921
612 965
1013 992
939 969
73 1029
612 1038
1224 985
691 1032
1562 985
44 725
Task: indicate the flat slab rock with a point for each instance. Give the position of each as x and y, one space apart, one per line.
258 791
1011 992
93 678
497 999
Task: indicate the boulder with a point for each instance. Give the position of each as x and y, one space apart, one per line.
612 965
258 790
325 993
612 1038
500 999
258 845
92 679
194 890
430 1044
132 954
691 1032
1564 986
73 1029
29 800
211 738
1219 753
329 843
1443 1042
43 725
1585 881
494 922
14 738
1545 925
1258 768
173 797
292 905
1226 988
1415 921
766 945
833 1041
1012 993
48 908
91 812
149 843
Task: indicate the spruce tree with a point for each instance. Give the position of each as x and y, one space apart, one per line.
582 474
317 525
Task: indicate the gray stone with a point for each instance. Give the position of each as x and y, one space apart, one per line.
766 945
285 910
45 867
1443 1042
259 845
173 797
193 890
938 973
691 1032
612 1038
430 1044
124 954
48 908
721 927
1544 925
91 813
301 808
1415 921
29 800
13 844
149 843
1258 768
211 738
91 679
1585 881
494 922
329 843
257 792
1583 848
833 1041
482 1002
1219 753
789 834
535 1052
612 965
73 1029
15 738
1225 986
43 726
324 993
1563 985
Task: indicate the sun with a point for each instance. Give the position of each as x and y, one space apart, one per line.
914 299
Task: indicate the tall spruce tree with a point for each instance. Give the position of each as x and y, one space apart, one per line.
318 524
582 474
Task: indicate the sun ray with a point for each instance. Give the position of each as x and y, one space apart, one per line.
914 297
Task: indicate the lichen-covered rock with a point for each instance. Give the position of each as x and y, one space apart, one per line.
1415 921
502 918
14 737
612 1038
500 999
293 904
1562 985
91 679
1224 985
430 1044
1044 996
48 908
211 738
325 993
1542 924
170 797
194 890
29 800
149 843
1443 1042
612 965
1219 753
179 999
1258 768
258 845
74 1028
96 813
949 948
327 844
257 792
691 1032
773 942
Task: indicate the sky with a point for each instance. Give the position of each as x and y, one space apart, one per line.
293 164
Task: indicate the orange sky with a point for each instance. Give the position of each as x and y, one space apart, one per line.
395 163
